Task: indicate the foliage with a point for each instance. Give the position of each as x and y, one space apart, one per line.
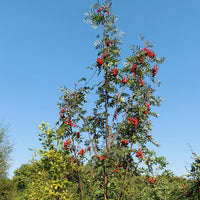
7 190
48 177
6 186
192 186
113 137
22 178
105 152
165 187
5 150
105 148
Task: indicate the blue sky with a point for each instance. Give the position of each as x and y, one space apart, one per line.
46 44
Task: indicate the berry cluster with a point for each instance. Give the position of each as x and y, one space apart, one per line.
150 179
67 143
139 153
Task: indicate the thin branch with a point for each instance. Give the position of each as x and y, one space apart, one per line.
123 119
126 173
79 176
90 78
107 132
115 112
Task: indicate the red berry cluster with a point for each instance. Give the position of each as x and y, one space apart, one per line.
148 108
67 143
150 179
147 105
72 159
141 59
114 71
104 9
141 82
133 68
133 121
118 167
105 55
81 151
103 158
139 153
99 62
78 134
99 10
145 112
109 43
124 80
124 142
67 107
62 110
69 122
62 115
154 70
149 53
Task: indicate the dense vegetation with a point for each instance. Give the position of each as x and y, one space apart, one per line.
34 181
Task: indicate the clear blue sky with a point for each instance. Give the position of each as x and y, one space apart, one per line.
45 44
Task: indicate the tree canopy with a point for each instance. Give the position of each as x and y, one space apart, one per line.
5 149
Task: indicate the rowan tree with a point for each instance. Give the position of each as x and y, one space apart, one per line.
108 146
118 128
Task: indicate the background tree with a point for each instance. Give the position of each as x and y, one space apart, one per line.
23 176
49 174
5 150
6 185
192 185
7 189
